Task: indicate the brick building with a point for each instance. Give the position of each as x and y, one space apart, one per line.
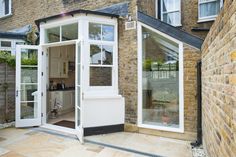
155 46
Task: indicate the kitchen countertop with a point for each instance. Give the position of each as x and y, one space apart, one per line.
66 89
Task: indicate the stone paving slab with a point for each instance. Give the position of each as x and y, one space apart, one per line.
33 143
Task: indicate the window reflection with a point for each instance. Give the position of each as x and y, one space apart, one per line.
160 80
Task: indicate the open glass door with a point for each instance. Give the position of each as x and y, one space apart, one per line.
78 93
28 86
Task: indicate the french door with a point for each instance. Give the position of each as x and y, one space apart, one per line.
28 85
79 92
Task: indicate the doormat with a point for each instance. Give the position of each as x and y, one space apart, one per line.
66 123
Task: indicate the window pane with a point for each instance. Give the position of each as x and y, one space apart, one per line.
107 55
160 80
100 76
52 35
70 32
7 3
107 32
95 54
171 5
5 43
209 9
95 31
172 18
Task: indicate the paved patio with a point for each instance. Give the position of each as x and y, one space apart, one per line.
36 142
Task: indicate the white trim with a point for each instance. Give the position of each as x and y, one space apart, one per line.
172 11
13 45
181 82
10 11
156 8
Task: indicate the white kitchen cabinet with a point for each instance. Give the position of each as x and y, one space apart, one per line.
58 62
54 68
71 53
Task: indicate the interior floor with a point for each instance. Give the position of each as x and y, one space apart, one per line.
68 117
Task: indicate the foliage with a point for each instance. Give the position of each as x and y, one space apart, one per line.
6 57
147 65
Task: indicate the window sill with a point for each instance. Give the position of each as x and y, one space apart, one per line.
206 20
5 16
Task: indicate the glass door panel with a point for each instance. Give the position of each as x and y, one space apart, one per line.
78 91
28 95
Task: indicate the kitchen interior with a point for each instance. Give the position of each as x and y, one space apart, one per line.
61 89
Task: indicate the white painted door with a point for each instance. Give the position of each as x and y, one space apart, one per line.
78 92
28 85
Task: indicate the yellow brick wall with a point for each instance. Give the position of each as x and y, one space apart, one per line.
219 85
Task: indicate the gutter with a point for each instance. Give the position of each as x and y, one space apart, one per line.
198 142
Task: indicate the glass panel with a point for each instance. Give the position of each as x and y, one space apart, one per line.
52 35
78 96
172 18
95 54
107 55
28 110
160 80
78 74
29 57
171 5
100 76
95 31
78 117
29 75
209 9
5 43
29 92
70 32
108 32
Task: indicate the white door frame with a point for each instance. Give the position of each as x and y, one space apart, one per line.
28 122
140 80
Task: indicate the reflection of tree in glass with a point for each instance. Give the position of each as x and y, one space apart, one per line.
29 57
95 31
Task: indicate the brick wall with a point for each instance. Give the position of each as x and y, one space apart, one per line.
219 85
189 15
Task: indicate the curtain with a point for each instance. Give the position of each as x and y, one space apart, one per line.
209 9
171 12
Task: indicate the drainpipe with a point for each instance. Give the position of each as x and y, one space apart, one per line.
199 104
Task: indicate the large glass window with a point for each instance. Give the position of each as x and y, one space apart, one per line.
52 35
160 85
170 12
5 8
70 32
208 9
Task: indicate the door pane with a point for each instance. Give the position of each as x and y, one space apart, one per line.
28 110
29 92
29 75
160 84
70 32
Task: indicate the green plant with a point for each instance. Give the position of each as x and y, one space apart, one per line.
6 57
147 65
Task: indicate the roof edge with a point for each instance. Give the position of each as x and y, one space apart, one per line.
170 30
71 13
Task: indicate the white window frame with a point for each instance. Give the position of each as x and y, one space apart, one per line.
10 10
140 81
207 18
83 36
171 11
12 49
